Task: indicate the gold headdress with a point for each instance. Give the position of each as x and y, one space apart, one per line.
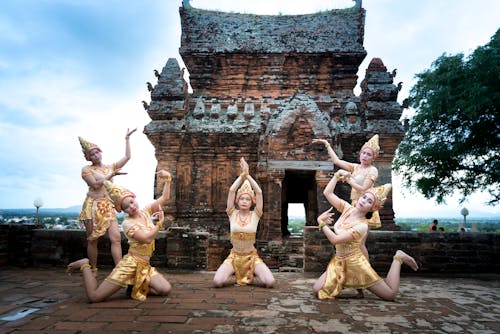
373 145
246 188
87 147
380 194
117 194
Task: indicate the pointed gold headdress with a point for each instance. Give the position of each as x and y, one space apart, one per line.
380 194
246 188
373 145
87 147
117 194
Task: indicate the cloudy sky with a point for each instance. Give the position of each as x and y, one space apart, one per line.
79 68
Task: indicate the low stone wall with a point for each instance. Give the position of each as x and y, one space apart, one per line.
450 252
182 248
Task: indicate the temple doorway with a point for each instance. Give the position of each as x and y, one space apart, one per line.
298 187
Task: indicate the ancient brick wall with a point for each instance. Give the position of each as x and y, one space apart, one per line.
445 253
187 249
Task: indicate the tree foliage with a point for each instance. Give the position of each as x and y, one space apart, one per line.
453 140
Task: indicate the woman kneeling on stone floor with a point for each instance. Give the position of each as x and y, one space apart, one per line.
243 261
349 268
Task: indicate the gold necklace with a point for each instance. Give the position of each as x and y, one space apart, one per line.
341 222
101 170
243 222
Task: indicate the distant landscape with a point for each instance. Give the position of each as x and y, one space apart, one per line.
296 224
66 218
50 218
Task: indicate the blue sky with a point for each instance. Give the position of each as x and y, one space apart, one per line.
79 68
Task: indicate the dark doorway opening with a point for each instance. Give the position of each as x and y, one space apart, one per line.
298 187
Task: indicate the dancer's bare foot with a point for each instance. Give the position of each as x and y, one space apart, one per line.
407 259
75 266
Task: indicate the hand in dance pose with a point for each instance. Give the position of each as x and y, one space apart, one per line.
349 268
98 214
244 262
134 268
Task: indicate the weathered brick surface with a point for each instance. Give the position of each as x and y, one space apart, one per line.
188 249
423 305
451 252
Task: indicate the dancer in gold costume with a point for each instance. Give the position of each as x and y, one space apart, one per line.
360 177
134 268
98 214
243 261
350 268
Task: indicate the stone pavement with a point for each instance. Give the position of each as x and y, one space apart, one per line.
34 300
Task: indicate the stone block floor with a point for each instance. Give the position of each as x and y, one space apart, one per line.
46 300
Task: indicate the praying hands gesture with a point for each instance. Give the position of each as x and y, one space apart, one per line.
243 166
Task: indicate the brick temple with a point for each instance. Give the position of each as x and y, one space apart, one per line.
263 87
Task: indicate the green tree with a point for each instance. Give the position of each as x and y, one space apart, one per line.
453 140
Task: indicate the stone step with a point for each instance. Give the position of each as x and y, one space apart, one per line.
289 269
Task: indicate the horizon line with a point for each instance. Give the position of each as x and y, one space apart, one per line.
489 216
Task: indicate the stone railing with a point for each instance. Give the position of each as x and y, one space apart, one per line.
184 249
450 252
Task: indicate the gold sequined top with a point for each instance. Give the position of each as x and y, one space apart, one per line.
359 175
99 173
357 228
130 226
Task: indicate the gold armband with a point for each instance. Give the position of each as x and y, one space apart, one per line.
322 224
160 225
243 175
85 265
397 258
168 179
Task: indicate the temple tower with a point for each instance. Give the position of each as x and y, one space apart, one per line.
263 87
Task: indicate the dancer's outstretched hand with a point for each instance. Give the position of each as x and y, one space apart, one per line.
326 216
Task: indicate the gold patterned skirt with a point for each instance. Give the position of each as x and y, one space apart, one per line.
133 271
352 271
243 265
98 212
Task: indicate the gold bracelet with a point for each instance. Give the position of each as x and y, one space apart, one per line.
160 225
168 179
327 145
397 258
127 137
85 265
322 224
244 175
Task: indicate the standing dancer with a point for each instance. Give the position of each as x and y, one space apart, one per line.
134 268
350 268
244 262
98 214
